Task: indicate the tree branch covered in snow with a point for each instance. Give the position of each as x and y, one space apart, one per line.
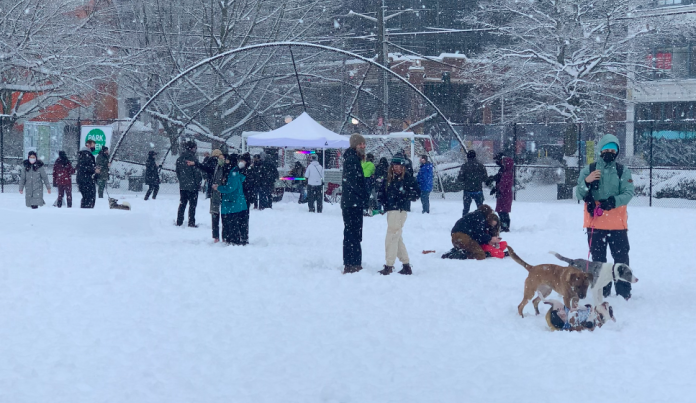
560 59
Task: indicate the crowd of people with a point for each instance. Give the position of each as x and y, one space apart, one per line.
235 183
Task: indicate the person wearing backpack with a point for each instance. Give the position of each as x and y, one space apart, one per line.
315 183
607 187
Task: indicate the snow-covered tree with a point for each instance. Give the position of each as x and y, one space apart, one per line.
565 60
50 50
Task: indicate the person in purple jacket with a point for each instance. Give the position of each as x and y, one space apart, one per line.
425 182
504 181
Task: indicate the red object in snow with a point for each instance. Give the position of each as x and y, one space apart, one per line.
495 252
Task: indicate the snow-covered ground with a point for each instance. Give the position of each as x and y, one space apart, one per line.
117 306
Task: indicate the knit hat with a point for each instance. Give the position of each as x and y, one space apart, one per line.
62 155
151 153
398 159
471 154
611 146
314 157
356 139
32 153
216 153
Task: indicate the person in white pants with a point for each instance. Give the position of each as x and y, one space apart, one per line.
396 194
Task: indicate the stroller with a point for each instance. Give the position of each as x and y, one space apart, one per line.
333 193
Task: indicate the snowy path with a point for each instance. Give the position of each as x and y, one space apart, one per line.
113 306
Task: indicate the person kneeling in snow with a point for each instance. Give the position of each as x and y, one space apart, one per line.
474 232
560 317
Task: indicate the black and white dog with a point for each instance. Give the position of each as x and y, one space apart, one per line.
602 274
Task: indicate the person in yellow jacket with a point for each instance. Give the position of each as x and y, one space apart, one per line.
606 187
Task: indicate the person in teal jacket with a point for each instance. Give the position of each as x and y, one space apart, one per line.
607 187
233 204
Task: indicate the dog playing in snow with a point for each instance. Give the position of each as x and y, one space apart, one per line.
568 281
560 317
602 274
113 204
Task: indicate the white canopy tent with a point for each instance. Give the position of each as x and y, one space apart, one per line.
302 133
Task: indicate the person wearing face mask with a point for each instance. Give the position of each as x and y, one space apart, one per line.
606 187
232 204
86 171
33 178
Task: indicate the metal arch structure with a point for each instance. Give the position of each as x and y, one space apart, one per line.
290 45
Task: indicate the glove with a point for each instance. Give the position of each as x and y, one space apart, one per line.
494 191
608 204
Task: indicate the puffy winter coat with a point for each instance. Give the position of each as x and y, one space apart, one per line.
505 179
32 179
233 200
314 174
151 172
102 162
610 185
62 171
86 167
189 177
475 224
472 175
354 191
399 193
425 177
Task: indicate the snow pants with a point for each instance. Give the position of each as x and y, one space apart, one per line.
232 228
352 236
618 244
394 243
89 194
189 197
67 191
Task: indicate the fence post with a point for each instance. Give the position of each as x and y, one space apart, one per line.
651 160
514 161
79 134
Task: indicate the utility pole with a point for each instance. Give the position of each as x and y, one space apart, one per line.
382 53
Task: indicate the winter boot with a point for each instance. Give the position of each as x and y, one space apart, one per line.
406 269
387 270
351 269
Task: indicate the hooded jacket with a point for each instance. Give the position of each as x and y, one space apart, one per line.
472 175
610 185
232 194
425 177
314 174
399 193
151 172
62 171
32 179
102 162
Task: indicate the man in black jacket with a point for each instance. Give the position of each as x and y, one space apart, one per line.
86 171
267 177
473 230
472 176
189 175
152 178
353 201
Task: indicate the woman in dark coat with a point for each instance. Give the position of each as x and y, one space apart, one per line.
504 179
152 178
62 172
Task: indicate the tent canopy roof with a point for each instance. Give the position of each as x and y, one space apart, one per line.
303 132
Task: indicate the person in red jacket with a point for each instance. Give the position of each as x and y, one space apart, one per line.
62 172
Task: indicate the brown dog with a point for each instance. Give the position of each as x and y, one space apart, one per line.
569 282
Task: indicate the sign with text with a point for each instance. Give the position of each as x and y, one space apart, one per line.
100 134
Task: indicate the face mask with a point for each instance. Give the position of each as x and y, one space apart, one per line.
32 160
241 165
608 157
92 148
221 162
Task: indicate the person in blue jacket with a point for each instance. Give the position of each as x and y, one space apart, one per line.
425 182
233 204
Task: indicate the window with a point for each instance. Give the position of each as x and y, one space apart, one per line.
668 2
132 106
